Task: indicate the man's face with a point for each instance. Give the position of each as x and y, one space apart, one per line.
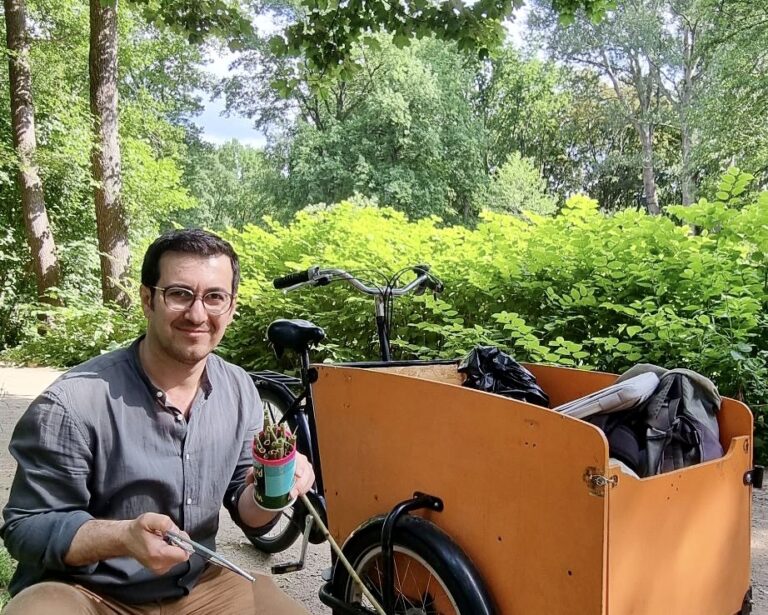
188 336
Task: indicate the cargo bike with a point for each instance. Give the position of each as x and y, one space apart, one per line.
449 500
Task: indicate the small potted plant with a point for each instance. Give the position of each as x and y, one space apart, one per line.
274 464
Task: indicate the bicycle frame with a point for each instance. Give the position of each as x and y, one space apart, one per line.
381 329
301 413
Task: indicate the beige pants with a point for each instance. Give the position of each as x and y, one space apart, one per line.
218 592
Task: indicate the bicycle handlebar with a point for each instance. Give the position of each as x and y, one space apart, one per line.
318 277
294 279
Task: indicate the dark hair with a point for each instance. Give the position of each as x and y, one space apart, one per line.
189 241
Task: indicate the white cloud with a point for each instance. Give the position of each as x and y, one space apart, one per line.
257 142
218 128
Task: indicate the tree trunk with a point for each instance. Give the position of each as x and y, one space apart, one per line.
686 174
686 96
111 222
645 133
38 229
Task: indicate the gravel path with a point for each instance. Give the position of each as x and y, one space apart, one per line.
18 386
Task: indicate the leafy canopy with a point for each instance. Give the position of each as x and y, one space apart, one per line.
330 29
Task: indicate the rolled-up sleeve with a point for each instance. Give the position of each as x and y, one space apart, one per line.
49 497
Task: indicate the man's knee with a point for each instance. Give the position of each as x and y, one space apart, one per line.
51 597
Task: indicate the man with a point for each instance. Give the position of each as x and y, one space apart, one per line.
139 442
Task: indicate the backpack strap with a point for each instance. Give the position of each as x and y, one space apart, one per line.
660 417
680 419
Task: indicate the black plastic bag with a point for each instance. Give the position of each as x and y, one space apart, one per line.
489 369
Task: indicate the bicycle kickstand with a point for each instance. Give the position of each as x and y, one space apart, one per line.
298 564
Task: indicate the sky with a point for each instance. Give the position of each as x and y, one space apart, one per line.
218 128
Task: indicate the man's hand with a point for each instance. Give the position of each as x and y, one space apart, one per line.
140 538
145 542
303 477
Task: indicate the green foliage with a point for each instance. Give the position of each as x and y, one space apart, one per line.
159 79
199 19
517 187
7 567
403 132
526 104
233 184
424 130
66 336
683 71
327 33
582 289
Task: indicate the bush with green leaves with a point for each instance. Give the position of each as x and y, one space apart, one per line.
515 187
67 335
582 289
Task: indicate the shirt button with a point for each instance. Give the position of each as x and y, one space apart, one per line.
179 417
159 393
187 456
189 500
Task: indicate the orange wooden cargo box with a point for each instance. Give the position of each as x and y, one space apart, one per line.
526 505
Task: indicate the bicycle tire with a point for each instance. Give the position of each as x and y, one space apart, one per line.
290 526
422 551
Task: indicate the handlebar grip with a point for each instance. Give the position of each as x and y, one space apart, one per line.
435 285
298 277
431 282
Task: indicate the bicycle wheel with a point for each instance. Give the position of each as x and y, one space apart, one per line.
291 523
432 574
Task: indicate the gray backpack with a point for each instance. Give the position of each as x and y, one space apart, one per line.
679 419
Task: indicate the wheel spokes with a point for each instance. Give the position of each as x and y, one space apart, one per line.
415 592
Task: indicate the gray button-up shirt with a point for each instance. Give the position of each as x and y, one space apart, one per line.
102 442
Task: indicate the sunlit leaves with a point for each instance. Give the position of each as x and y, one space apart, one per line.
328 33
201 19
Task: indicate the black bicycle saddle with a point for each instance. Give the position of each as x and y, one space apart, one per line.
297 335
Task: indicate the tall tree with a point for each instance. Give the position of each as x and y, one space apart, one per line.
400 129
199 20
111 220
622 48
708 35
234 185
695 34
524 105
661 56
38 229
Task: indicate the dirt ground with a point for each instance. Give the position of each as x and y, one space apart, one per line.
18 386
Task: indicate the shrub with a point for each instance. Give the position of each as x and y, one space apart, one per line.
66 336
582 288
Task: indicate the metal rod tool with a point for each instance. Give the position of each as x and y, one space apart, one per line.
190 546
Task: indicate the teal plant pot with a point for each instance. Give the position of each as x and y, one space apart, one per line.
273 480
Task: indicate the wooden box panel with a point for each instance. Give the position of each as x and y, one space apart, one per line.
680 542
517 500
511 476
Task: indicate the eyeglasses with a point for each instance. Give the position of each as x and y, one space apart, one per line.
178 299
